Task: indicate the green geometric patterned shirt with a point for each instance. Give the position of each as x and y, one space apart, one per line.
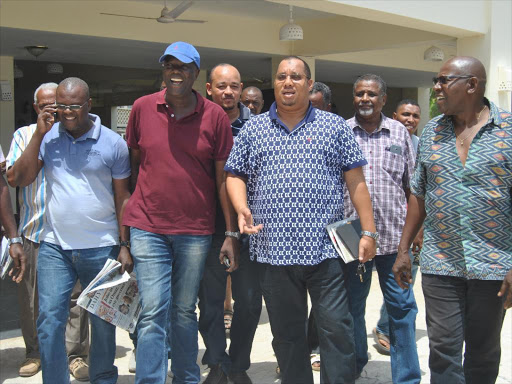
468 227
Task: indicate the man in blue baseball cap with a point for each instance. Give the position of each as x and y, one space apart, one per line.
179 142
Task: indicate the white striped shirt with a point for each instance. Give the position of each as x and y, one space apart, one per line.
32 198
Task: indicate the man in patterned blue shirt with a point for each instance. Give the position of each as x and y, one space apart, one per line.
462 190
286 171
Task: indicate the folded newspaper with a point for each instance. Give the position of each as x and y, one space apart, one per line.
5 259
345 236
113 297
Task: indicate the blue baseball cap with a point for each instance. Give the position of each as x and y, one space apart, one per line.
184 52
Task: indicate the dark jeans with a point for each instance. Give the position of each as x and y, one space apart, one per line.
402 310
285 291
459 311
313 344
246 311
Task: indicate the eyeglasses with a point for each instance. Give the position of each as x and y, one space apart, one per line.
445 79
72 107
295 77
180 68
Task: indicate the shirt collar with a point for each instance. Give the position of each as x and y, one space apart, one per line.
308 117
385 123
93 133
160 99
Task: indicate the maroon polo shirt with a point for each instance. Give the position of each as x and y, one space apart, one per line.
175 192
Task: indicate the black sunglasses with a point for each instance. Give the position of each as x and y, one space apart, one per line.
445 79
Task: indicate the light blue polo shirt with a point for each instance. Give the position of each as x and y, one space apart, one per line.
80 200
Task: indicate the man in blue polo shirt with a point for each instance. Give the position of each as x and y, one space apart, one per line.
87 172
287 169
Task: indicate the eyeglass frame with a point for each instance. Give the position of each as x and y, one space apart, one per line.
72 107
181 68
291 76
446 79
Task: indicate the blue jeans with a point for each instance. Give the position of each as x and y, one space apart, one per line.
162 262
402 310
285 291
58 271
383 323
246 314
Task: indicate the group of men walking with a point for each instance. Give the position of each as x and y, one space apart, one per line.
202 189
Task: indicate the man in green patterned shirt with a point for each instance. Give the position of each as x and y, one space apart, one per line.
461 189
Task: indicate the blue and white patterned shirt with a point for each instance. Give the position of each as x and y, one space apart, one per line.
294 183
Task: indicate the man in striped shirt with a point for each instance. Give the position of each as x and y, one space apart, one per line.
32 199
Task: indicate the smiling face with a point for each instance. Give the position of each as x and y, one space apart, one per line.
291 86
451 97
368 100
409 115
179 77
225 87
75 122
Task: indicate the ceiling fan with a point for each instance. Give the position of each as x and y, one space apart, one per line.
166 16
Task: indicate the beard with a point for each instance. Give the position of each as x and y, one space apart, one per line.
365 112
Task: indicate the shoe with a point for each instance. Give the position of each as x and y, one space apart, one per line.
382 342
132 364
216 375
240 378
315 362
79 369
29 367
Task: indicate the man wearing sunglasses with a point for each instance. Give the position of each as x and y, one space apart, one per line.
87 171
461 192
32 200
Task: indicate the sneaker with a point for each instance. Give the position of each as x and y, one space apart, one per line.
29 367
132 364
216 375
240 378
79 369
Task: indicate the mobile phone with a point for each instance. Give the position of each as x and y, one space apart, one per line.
227 263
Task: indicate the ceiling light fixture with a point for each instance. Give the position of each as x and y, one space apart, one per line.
36 50
433 54
291 31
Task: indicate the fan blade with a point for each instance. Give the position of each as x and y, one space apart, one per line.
182 7
189 21
134 17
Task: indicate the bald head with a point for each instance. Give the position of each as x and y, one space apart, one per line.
225 87
72 84
467 65
252 98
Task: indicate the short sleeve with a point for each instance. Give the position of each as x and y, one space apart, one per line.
238 161
419 177
351 153
18 145
121 166
224 138
408 159
132 128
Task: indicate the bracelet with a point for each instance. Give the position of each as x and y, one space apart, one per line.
236 235
125 244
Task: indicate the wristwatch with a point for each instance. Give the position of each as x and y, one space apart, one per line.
15 240
373 235
125 244
236 235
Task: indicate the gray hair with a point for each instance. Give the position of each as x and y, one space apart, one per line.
324 90
75 82
45 86
371 77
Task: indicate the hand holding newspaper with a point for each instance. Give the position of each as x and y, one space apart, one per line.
113 297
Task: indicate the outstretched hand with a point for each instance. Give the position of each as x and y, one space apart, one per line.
245 222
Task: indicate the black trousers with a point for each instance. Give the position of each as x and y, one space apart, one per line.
285 291
458 311
246 310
